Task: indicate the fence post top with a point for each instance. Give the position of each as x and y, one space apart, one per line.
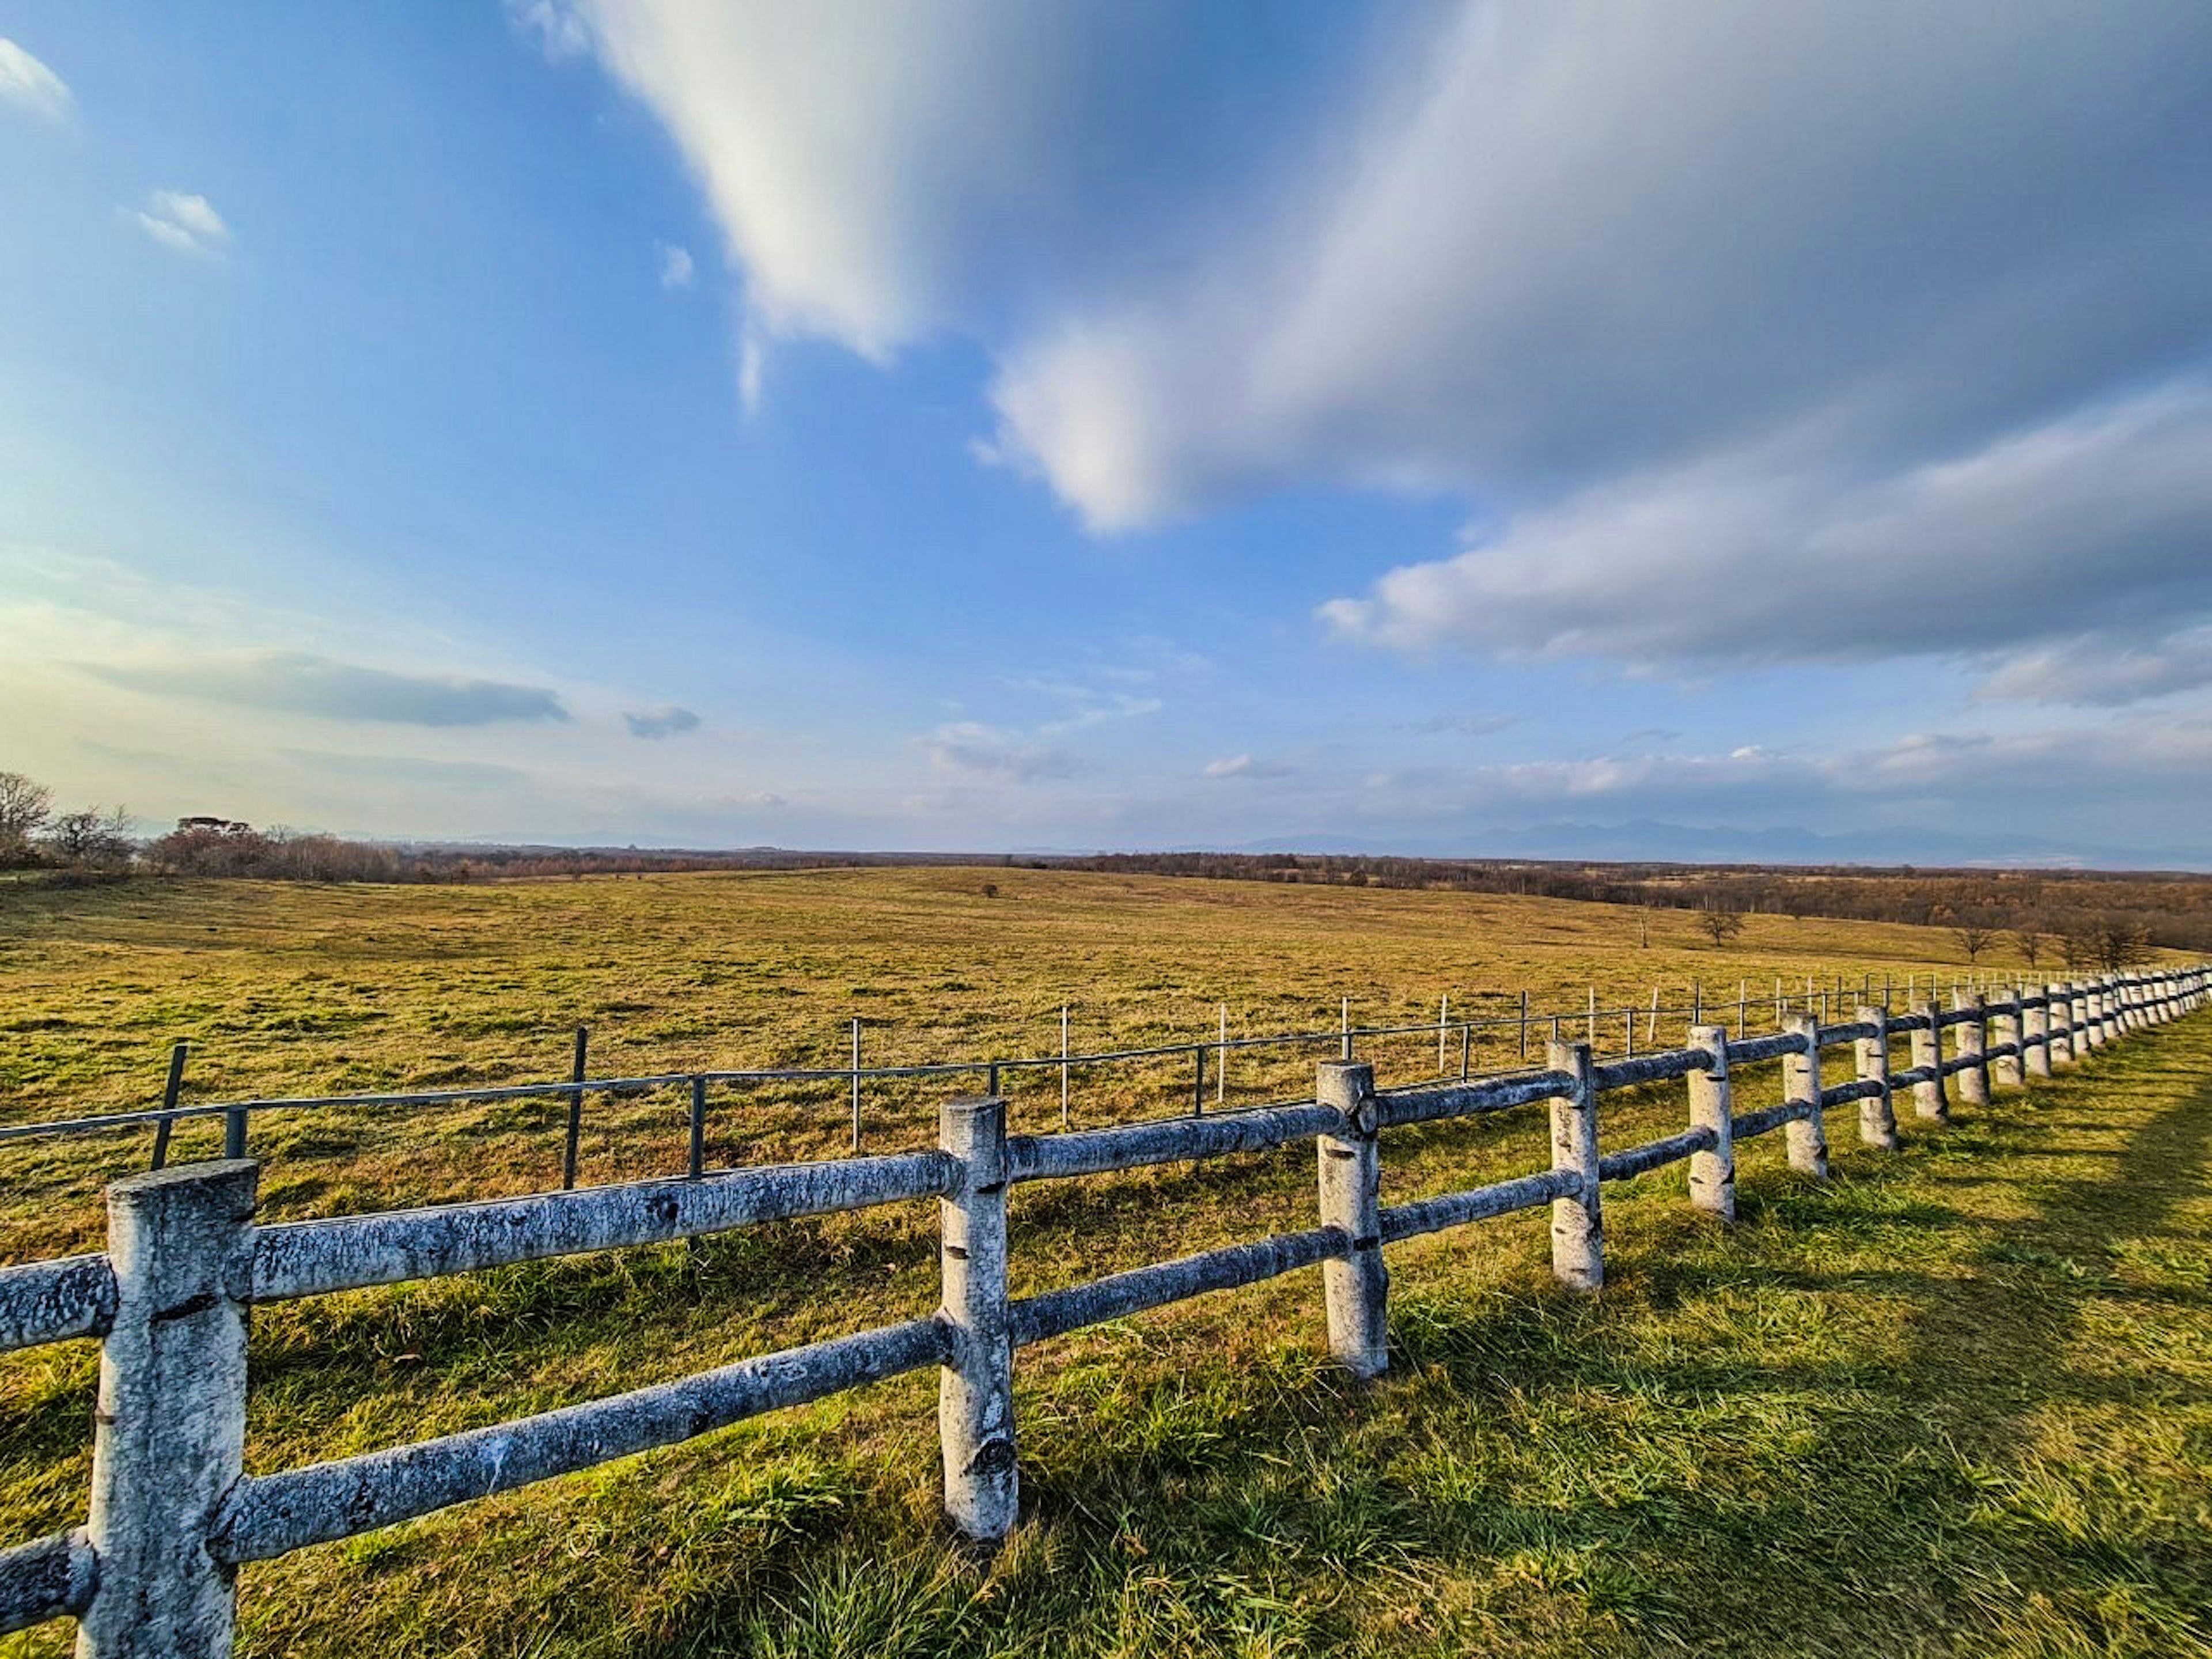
1344 1083
218 1174
1872 1012
970 1108
1574 1057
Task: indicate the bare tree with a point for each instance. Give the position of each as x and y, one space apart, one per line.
1644 926
2030 940
89 839
1721 926
25 805
1974 939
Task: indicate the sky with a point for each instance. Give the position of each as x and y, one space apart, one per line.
977 425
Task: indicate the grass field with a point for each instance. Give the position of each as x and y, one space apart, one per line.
286 989
1957 1401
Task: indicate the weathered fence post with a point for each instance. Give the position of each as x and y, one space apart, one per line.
1929 1096
1578 1218
975 1386
169 1433
2046 1034
1356 1290
573 1138
2005 1032
1974 1046
1712 1174
1807 1136
1878 1111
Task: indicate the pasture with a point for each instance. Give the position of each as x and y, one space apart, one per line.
1955 1401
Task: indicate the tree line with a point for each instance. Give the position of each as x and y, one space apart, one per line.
2084 919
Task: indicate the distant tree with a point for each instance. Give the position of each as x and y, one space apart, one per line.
89 840
990 889
2030 940
1974 939
25 805
1721 926
1644 926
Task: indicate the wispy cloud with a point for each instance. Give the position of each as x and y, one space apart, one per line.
1245 766
654 724
554 27
298 683
973 747
183 222
676 269
409 769
1466 725
28 84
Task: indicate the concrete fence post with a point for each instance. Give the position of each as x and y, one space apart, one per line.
2075 1042
1712 1174
1929 1096
1974 1046
2041 1039
1806 1136
1877 1112
975 1386
169 1432
1578 1218
1356 1290
2005 1031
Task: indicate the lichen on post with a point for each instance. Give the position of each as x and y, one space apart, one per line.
975 1388
1807 1134
1973 1046
2005 1032
1356 1290
1578 1218
1712 1172
1930 1098
169 1431
1877 1112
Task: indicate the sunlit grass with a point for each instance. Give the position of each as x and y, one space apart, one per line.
1957 1401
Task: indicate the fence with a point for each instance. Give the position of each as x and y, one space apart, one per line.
1483 1045
174 1514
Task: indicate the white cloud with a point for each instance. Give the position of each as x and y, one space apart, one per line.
1243 766
555 26
973 747
854 152
29 85
676 269
186 222
2104 670
2100 517
1580 241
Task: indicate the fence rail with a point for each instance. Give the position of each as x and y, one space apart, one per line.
1817 994
174 1513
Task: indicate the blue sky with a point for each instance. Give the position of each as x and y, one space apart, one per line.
983 425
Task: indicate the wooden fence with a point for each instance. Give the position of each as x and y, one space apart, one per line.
174 1514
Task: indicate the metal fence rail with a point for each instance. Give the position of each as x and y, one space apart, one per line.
174 1512
1207 1058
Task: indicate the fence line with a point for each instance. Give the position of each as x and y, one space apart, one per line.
1818 997
174 1513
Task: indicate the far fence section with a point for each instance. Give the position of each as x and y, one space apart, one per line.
175 1513
1468 1046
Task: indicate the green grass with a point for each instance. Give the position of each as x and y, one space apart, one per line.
1957 1401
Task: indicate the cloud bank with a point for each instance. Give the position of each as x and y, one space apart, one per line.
300 682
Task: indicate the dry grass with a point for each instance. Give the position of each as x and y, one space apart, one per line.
1956 1402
